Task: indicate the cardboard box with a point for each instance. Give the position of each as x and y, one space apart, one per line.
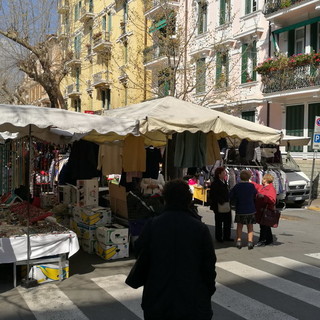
49 272
67 194
118 200
88 192
82 230
87 245
112 252
92 215
114 234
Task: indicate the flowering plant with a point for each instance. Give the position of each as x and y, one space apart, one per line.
283 62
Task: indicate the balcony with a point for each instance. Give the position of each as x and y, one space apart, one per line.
158 54
101 79
101 42
287 12
291 79
154 7
86 14
64 31
63 6
75 60
73 90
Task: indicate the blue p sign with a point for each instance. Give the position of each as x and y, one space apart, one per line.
316 138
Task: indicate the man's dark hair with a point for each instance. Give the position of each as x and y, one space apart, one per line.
218 171
177 194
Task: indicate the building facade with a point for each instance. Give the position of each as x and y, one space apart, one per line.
101 37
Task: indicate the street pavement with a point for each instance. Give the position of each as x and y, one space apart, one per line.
281 281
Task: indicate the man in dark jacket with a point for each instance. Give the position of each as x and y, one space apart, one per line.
181 276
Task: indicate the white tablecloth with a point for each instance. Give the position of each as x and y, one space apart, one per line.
15 248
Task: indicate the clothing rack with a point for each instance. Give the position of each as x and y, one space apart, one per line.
242 166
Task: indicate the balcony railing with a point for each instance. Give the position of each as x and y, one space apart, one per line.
73 90
156 52
272 6
101 42
86 14
153 4
101 79
64 31
63 6
291 79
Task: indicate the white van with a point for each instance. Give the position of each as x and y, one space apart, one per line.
298 184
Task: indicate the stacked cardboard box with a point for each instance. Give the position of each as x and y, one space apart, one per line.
112 242
49 272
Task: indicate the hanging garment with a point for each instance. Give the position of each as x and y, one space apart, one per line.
153 159
134 154
213 149
190 150
110 158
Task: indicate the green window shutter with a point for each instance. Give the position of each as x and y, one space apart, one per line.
104 23
291 40
201 75
218 67
222 11
226 56
109 22
254 60
314 36
244 63
294 122
248 115
314 110
248 6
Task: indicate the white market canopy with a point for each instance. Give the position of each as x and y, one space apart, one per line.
162 117
51 124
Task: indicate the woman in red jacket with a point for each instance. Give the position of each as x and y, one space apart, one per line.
266 198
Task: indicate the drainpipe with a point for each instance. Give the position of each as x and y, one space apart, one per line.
269 55
185 49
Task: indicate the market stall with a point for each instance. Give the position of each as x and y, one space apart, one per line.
31 242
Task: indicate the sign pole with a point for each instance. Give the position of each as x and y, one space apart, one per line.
311 180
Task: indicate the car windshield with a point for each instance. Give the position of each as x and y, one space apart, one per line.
288 163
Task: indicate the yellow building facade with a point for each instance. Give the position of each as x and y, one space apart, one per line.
104 40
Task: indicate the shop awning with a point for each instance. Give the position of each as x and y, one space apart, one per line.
297 25
62 126
162 117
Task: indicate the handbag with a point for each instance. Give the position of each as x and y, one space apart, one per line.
270 217
138 274
225 207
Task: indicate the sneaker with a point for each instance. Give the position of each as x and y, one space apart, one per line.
250 245
238 245
261 244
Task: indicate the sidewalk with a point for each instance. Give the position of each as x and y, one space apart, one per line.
315 205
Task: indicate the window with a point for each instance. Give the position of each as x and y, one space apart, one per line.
296 41
109 21
77 105
104 23
222 70
201 75
202 17
77 46
294 123
91 6
224 11
77 79
249 62
248 115
77 11
299 40
251 6
105 99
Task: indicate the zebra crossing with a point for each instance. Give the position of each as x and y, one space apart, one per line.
229 298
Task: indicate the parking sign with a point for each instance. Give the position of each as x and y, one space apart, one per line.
316 135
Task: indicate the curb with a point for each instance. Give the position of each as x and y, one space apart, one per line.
313 208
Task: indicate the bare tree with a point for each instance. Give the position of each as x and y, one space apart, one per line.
34 49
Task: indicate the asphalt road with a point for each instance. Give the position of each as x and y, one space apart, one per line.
275 282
